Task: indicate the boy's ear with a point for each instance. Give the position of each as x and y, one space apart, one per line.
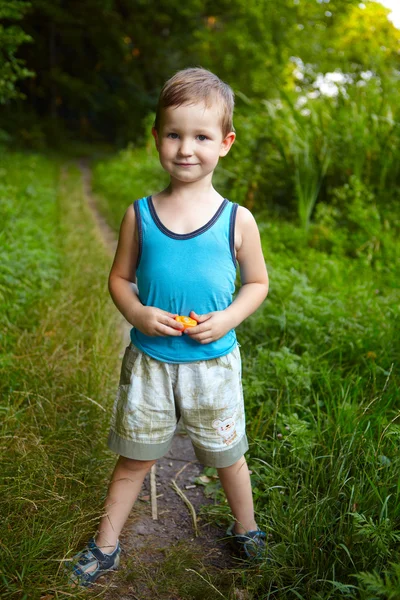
226 143
155 135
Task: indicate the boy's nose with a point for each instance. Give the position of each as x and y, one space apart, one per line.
185 148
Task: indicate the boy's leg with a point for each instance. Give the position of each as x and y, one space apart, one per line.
124 488
142 425
237 486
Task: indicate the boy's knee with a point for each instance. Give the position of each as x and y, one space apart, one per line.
131 464
236 467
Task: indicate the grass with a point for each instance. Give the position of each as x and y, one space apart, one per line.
293 151
179 573
321 380
29 262
58 372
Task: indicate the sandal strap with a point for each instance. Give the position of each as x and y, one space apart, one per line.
95 550
87 557
252 535
250 543
257 533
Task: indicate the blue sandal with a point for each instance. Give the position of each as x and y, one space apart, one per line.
92 555
250 545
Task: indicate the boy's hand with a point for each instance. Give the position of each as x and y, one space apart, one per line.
156 322
211 327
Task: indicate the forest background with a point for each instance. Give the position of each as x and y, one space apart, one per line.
317 160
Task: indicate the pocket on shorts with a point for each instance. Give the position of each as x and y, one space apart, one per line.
231 361
127 365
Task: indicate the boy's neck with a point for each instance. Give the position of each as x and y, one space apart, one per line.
197 191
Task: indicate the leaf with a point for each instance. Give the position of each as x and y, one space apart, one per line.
202 479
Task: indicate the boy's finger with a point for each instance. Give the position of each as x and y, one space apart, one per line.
201 335
199 318
166 330
202 339
172 315
174 324
194 331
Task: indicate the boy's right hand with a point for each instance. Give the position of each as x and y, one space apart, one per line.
156 322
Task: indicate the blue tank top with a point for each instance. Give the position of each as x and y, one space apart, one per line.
183 272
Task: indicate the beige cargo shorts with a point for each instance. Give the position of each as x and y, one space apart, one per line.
153 395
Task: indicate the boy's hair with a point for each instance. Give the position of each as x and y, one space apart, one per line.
194 85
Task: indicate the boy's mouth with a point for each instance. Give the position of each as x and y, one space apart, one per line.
183 164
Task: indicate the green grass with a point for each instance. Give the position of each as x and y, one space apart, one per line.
29 262
178 573
321 381
58 372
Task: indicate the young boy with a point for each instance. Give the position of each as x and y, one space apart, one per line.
182 246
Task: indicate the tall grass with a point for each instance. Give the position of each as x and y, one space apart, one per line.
321 375
29 261
58 374
296 149
308 179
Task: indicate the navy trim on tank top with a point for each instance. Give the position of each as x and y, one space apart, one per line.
232 222
185 236
140 230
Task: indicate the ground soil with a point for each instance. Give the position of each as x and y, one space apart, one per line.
145 540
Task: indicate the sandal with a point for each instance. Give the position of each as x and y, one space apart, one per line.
92 555
250 545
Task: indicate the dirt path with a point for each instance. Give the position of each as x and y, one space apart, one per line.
145 541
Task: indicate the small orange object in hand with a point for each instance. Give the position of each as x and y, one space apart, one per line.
186 321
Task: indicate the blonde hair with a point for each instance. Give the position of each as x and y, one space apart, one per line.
194 85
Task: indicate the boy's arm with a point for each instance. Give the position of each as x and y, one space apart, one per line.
254 288
121 284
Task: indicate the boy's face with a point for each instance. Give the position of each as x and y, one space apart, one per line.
190 141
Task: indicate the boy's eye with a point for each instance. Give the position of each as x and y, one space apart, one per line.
201 138
173 136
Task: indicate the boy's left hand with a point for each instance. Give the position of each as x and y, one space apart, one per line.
211 326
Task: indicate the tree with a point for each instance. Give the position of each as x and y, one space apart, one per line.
100 63
367 40
12 68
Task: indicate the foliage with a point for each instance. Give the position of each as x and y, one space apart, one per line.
259 37
100 65
293 150
12 69
309 175
375 585
352 224
320 368
368 40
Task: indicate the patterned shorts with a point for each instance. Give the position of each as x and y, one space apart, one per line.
153 395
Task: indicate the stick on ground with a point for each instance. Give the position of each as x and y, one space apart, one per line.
190 506
153 493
